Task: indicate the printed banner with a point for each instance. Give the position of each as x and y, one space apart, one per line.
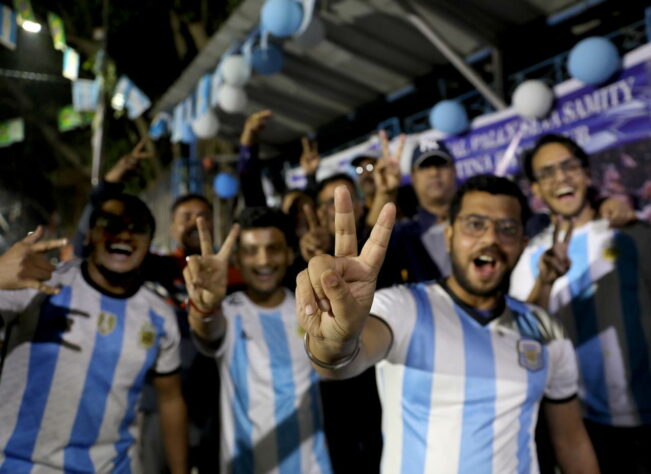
69 118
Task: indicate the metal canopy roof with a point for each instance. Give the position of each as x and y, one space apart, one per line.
370 51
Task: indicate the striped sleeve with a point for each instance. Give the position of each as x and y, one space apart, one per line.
397 308
169 356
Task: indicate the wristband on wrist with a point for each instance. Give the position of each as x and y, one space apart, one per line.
336 366
207 316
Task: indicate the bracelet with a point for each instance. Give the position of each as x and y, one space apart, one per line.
189 304
336 366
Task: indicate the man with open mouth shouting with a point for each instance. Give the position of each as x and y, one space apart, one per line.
79 341
597 280
461 367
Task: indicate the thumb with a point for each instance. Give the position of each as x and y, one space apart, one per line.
35 236
342 302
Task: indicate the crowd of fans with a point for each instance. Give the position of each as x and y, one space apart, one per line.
467 314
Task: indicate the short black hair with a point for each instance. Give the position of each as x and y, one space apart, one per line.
332 179
256 217
190 197
133 207
491 184
571 145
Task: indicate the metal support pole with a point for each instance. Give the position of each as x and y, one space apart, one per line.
451 55
100 128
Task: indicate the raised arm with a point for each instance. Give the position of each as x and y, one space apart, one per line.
334 296
206 278
387 177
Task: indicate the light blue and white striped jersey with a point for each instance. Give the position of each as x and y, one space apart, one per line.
460 395
604 301
271 415
74 372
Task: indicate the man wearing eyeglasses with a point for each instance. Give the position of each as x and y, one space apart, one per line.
80 340
598 282
461 367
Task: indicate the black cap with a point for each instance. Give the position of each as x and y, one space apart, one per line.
428 149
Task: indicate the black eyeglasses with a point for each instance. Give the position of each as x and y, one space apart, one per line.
113 224
473 225
569 166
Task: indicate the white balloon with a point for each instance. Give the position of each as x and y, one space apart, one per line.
206 126
232 99
236 70
533 99
313 34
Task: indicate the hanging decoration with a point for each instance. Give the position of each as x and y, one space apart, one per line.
533 99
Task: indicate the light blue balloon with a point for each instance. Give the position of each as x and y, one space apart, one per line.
226 185
449 117
267 61
593 60
281 18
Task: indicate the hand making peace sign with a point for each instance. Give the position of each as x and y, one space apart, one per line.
317 240
310 157
206 275
334 294
24 265
387 169
555 262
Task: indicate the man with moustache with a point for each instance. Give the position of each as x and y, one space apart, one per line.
79 342
461 366
597 280
270 404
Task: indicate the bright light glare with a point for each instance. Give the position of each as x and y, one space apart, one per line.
118 101
31 26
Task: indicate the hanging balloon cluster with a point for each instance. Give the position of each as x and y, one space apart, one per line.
592 61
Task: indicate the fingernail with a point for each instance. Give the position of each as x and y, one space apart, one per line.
332 280
309 309
324 304
187 259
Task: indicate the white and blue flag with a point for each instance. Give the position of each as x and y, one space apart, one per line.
70 64
85 94
8 27
128 95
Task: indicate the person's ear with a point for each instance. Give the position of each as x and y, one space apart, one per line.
449 232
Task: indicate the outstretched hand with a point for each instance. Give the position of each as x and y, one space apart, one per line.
253 126
129 162
24 265
555 262
387 169
206 275
334 294
310 157
317 240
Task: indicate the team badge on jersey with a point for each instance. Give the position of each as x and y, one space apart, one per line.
147 336
611 253
106 323
530 354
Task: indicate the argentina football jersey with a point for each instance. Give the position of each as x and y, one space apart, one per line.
604 301
270 404
460 393
74 371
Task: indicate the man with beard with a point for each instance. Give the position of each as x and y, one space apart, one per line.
461 366
270 406
79 341
597 280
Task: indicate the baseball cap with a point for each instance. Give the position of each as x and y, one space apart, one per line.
430 149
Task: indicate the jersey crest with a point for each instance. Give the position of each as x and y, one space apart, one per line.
147 336
530 354
106 323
